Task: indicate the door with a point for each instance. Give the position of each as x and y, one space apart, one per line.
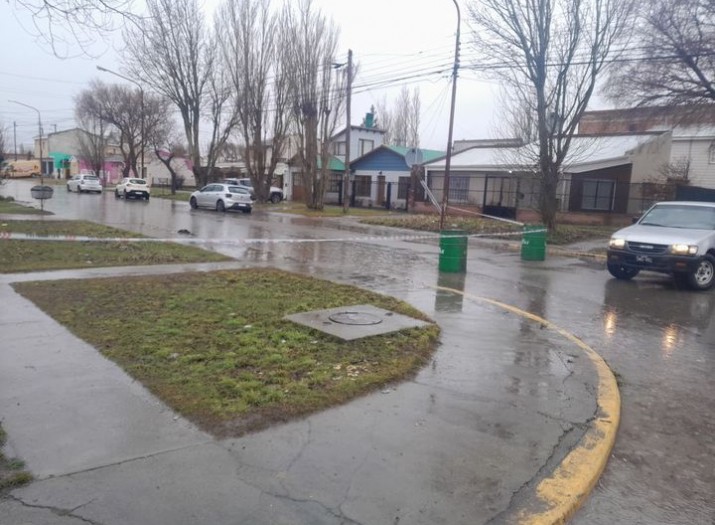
500 196
380 190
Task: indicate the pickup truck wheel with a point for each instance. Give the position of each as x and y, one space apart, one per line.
126 195
622 272
703 278
193 203
220 206
276 198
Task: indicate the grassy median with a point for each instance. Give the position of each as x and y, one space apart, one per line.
562 235
214 346
32 255
9 206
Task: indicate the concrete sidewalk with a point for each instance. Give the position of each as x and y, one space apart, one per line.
501 405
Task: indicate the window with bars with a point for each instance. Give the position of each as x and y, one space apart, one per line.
598 195
458 189
335 184
362 185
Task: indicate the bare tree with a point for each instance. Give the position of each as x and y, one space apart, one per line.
170 50
676 50
162 138
317 92
222 113
248 34
550 54
404 119
3 138
384 120
65 23
93 139
120 108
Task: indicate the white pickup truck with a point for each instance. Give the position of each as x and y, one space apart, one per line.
676 238
275 196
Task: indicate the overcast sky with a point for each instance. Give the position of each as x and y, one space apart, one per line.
390 39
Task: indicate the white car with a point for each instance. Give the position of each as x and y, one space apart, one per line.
676 238
222 197
131 187
275 196
83 182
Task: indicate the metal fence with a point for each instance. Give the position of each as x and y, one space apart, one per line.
505 197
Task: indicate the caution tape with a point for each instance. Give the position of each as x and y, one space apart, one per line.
6 235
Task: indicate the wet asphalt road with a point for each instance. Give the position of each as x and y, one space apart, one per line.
660 341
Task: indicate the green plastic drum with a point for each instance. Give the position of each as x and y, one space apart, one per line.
453 251
533 243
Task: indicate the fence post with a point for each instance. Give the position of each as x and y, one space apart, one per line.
340 193
389 195
352 194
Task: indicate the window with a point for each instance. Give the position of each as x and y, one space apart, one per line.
335 185
598 195
362 185
339 148
403 184
365 146
458 189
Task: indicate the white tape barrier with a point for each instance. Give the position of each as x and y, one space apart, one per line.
5 235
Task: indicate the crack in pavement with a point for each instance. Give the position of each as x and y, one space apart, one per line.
123 461
568 433
58 511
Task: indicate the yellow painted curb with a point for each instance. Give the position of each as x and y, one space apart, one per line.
562 492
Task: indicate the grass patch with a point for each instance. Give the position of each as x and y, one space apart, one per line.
180 196
564 233
11 469
299 208
9 206
214 346
29 256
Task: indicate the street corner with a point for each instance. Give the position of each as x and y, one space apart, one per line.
559 489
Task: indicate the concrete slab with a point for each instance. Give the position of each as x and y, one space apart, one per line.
356 321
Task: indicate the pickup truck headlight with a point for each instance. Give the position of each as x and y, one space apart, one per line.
616 243
683 249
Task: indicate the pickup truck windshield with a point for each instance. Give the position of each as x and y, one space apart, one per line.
688 217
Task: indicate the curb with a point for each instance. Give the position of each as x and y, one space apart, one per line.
559 495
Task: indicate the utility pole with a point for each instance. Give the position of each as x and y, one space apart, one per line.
346 176
14 136
448 160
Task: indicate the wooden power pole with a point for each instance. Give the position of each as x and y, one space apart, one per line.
346 175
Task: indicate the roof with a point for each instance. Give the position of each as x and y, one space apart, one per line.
584 150
334 164
428 155
357 128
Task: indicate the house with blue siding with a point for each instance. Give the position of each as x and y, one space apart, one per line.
381 177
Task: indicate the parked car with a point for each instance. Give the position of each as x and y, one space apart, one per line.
275 195
84 182
222 197
676 238
131 187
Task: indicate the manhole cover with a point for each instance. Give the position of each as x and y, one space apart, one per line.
355 318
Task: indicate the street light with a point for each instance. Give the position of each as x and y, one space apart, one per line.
39 125
141 96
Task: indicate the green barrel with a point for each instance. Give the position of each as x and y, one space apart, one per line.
453 251
533 243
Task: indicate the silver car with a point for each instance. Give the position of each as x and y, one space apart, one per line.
84 183
677 238
222 197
